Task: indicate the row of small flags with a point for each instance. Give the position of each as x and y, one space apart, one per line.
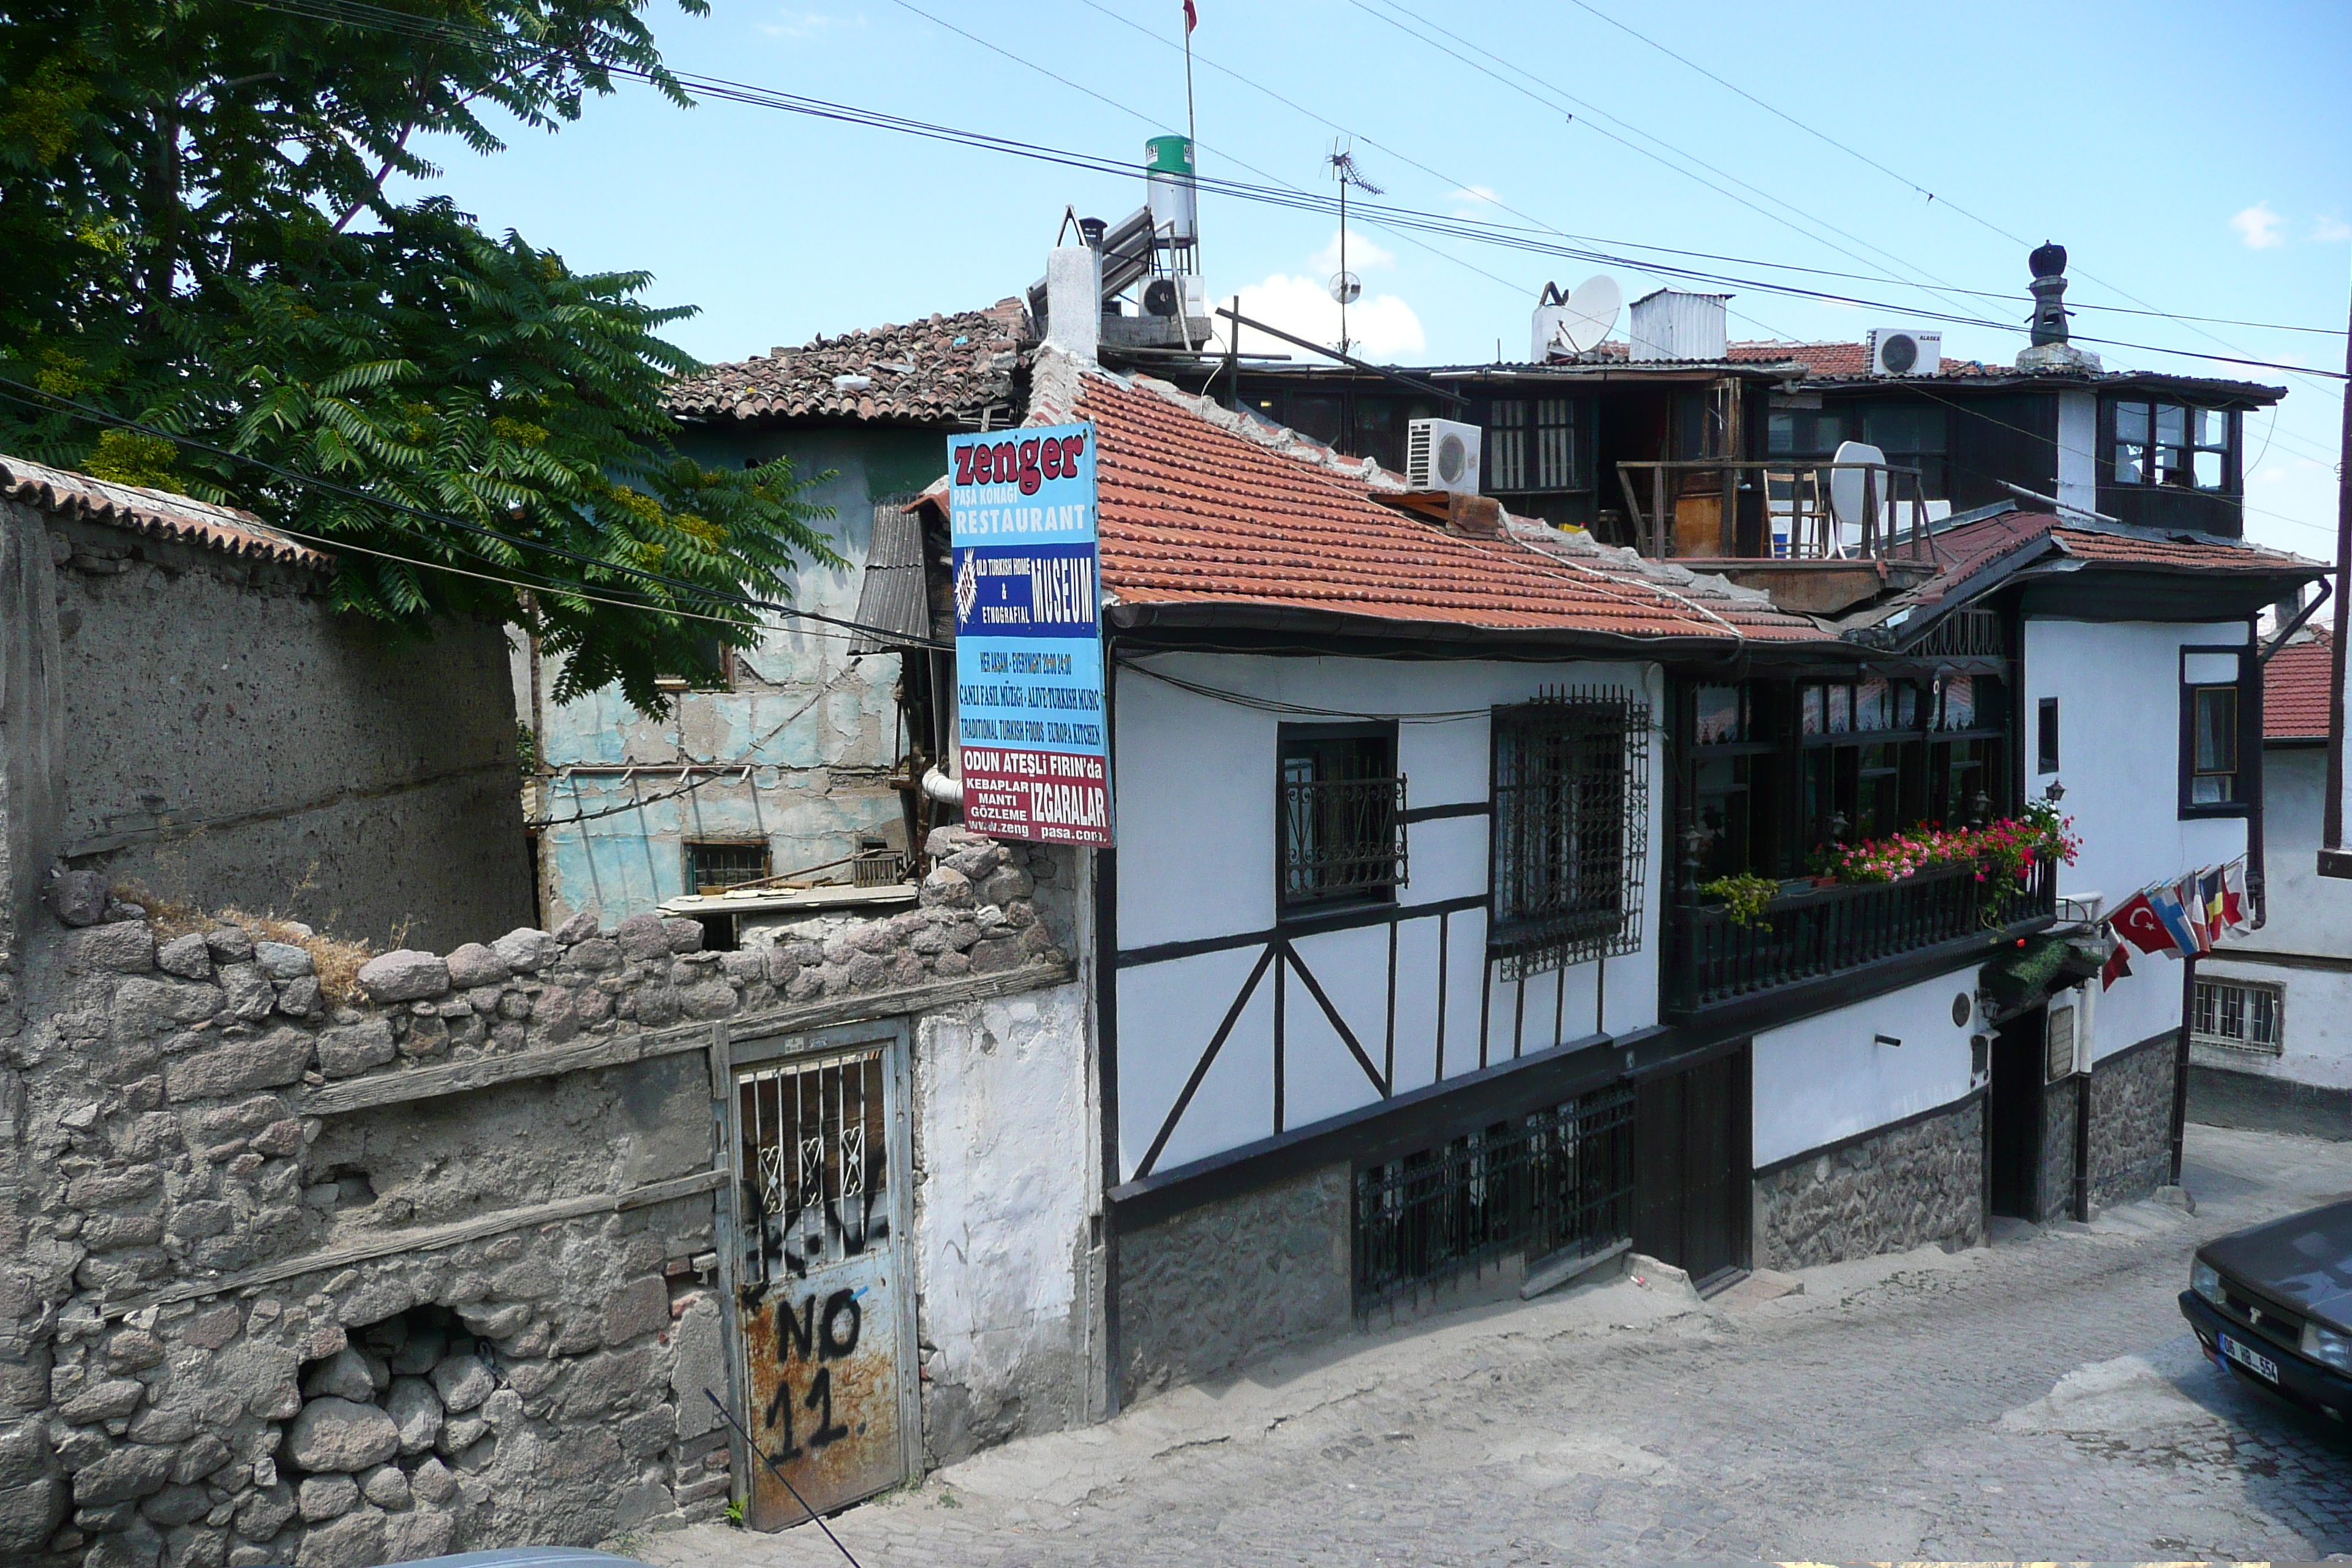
2185 918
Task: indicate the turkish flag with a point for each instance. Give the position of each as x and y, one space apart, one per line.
2136 922
1191 17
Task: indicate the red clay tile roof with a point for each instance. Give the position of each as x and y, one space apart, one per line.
1750 610
1195 514
1833 358
158 514
2294 691
949 370
1967 551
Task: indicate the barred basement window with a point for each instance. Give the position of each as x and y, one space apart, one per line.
1572 802
2242 1015
1554 1180
711 867
1339 809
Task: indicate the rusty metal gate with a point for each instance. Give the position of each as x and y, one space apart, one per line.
825 1318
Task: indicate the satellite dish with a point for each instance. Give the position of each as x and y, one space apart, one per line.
1347 288
1848 487
1575 323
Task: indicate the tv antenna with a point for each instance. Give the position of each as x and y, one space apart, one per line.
1346 286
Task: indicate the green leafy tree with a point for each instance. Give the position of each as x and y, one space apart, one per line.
197 237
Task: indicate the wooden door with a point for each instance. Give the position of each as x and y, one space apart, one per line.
2013 1116
1690 1138
825 1301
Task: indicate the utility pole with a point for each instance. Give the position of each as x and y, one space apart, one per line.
2334 859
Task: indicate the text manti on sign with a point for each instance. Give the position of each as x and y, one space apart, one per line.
1029 661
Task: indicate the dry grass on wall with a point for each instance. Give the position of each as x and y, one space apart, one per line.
337 961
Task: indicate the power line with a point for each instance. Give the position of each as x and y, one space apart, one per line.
1973 217
770 97
330 487
1497 201
1591 108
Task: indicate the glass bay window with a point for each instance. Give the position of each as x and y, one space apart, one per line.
1776 770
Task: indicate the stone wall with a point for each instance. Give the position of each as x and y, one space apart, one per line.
229 738
2131 1121
267 1299
1205 1292
1913 1186
2058 1101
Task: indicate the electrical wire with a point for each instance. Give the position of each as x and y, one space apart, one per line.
1509 237
1592 110
347 492
636 802
2191 322
1439 174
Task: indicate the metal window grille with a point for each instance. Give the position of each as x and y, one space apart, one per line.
709 867
2240 1015
1571 788
1536 1184
1341 838
1964 634
816 1168
1555 444
1507 444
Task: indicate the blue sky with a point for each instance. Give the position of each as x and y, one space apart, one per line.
2195 156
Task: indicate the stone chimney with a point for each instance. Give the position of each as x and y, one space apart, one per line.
2050 350
1074 301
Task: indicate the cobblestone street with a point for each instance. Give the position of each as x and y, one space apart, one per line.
2038 1398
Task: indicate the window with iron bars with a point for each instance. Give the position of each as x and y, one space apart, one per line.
1339 809
713 864
2244 1015
1547 1182
1571 812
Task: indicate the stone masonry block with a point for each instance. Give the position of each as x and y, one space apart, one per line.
639 1307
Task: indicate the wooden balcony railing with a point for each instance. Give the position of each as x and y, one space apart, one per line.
1720 509
1821 932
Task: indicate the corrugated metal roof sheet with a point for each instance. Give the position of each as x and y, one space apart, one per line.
158 514
892 598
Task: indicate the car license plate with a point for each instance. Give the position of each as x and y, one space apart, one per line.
2254 1361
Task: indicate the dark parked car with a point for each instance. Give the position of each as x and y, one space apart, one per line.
2273 1304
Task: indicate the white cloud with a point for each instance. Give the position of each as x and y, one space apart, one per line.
1379 325
2260 227
2329 230
1472 201
1363 256
809 25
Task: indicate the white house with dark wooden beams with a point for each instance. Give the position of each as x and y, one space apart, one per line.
2270 1023
1488 901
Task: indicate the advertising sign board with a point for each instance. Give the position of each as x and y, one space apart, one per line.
1029 663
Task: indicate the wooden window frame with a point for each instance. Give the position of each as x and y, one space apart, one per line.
2112 442
2246 731
1293 740
694 883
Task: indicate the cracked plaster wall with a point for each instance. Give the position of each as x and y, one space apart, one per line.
819 729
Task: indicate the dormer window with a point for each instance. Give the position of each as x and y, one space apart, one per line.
2173 444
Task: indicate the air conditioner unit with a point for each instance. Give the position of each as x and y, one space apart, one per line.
1900 351
1441 455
